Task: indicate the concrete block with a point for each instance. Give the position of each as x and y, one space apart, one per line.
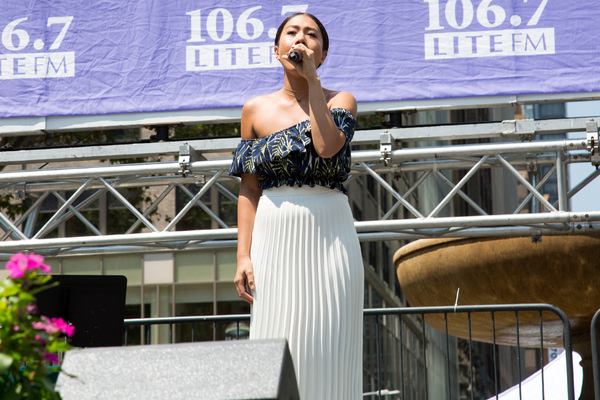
248 369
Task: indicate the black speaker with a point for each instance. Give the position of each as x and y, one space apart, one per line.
94 304
235 369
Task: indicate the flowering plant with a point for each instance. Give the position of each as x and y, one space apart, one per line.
27 341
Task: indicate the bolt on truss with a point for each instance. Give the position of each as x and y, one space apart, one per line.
89 183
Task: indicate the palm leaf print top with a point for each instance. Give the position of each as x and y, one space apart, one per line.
288 158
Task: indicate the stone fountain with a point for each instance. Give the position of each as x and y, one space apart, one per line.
560 270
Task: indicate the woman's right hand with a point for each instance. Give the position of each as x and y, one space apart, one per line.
244 278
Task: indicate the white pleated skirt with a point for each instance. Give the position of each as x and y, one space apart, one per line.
309 280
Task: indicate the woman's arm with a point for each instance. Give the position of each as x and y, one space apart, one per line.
327 138
247 203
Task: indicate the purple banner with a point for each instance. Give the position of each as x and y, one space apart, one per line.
66 57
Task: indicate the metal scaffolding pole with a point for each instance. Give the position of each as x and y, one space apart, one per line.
91 182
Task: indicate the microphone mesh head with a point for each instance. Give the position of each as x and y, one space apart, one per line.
295 56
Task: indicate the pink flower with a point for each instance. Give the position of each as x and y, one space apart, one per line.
37 261
16 328
40 339
21 262
63 326
51 357
54 325
17 265
44 326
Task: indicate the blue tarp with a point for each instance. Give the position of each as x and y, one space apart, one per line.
67 57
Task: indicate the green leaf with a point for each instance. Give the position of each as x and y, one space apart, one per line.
58 346
42 288
48 385
41 279
12 392
9 291
5 362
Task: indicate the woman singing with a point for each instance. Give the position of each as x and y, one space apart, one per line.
298 252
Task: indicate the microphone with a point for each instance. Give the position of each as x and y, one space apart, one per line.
295 56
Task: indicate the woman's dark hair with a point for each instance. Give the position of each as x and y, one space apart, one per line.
319 24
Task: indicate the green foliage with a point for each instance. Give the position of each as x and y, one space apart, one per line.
51 139
203 130
9 207
370 121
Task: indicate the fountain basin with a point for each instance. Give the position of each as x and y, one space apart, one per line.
560 270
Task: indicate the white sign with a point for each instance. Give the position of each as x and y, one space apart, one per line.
16 65
524 42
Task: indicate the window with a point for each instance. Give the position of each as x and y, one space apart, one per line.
372 186
219 202
373 255
383 198
386 263
106 213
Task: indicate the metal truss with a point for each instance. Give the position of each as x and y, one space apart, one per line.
192 167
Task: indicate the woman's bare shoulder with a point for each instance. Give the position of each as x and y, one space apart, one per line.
253 114
249 112
340 99
258 104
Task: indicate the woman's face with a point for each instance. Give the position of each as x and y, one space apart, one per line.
301 30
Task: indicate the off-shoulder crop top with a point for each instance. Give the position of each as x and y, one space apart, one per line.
288 157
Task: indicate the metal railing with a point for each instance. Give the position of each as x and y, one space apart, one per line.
420 312
595 353
214 319
492 309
